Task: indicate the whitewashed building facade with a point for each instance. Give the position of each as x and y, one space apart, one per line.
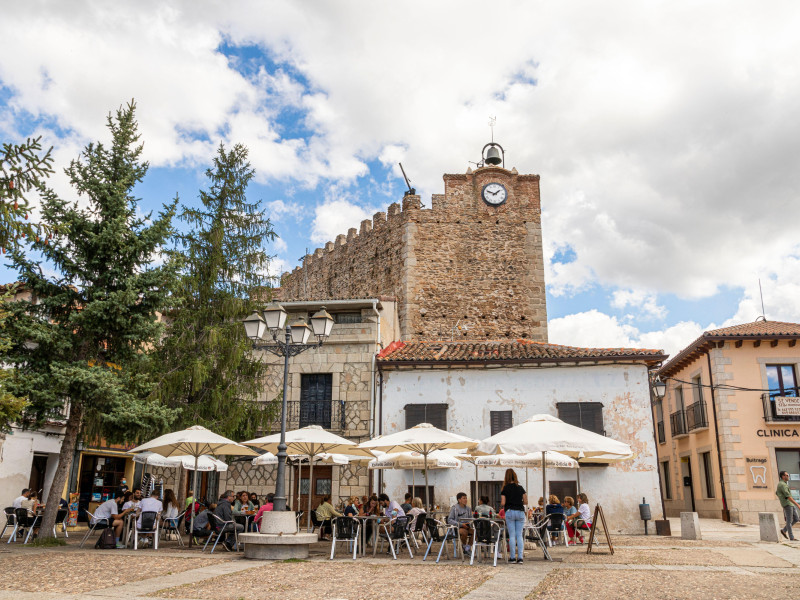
479 388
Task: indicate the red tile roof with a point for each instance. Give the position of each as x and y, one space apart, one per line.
758 330
512 351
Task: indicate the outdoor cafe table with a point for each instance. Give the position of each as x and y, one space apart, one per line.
364 519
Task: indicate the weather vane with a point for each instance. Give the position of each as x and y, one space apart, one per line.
492 121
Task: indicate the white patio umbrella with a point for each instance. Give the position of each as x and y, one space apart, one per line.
424 439
546 433
195 442
526 461
438 459
310 442
204 463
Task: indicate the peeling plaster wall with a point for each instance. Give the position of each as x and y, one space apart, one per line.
472 393
16 460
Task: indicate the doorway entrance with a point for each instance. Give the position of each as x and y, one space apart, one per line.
38 470
486 488
322 486
562 489
789 461
688 483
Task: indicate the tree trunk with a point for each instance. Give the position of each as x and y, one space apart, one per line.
181 483
2 441
62 471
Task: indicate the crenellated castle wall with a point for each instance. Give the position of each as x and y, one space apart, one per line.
459 262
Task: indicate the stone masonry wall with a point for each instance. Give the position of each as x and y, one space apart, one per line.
461 260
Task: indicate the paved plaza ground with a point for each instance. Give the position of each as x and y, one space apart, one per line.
729 563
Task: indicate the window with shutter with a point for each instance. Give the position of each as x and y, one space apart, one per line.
435 414
500 420
586 415
316 392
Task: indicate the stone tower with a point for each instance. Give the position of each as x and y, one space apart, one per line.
473 258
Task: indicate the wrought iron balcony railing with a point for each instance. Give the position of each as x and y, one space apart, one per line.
328 414
677 421
696 417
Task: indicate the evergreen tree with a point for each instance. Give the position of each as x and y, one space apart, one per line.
22 169
207 369
79 340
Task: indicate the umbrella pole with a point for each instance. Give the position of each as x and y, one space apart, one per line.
291 490
475 495
578 474
544 476
191 506
413 482
310 485
527 486
427 500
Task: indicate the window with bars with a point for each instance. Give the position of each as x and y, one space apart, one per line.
316 392
435 414
586 415
500 420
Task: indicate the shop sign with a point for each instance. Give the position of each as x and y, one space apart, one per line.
777 433
787 406
756 472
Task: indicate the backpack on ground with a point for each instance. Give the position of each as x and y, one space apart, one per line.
106 540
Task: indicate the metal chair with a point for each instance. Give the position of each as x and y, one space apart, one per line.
534 533
218 530
486 534
99 524
11 521
396 532
556 529
149 526
345 529
170 526
418 526
439 531
32 521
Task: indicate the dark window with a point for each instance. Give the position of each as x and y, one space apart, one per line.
435 414
665 480
781 380
418 491
323 487
500 420
697 389
586 415
705 459
316 390
347 317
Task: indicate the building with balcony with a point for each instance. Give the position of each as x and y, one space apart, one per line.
730 420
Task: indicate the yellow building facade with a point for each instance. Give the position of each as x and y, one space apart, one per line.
729 421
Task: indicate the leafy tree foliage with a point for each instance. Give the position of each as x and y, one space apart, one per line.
79 337
207 369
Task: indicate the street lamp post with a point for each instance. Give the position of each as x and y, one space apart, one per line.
297 336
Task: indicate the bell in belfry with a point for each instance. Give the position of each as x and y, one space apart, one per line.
493 156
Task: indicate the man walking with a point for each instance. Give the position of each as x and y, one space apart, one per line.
789 505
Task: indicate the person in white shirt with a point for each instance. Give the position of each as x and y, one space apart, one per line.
150 504
21 498
108 510
134 501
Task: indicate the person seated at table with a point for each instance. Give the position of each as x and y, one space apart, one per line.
170 508
189 498
554 508
255 501
123 499
325 514
108 512
242 505
202 521
266 507
569 510
224 511
361 503
390 508
580 520
483 509
152 503
459 513
351 508
133 501
21 498
31 502
370 508
406 505
416 509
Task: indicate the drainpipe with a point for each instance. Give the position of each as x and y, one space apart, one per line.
726 514
379 346
380 424
655 440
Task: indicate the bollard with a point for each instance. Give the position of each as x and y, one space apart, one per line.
768 527
690 526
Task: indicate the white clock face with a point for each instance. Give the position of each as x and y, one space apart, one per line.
494 193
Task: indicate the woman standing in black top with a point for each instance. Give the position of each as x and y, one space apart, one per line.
513 499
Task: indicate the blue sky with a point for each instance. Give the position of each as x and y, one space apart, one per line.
666 137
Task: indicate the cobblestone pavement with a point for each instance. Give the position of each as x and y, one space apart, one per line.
728 563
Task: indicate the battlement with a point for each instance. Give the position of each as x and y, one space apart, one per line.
461 256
